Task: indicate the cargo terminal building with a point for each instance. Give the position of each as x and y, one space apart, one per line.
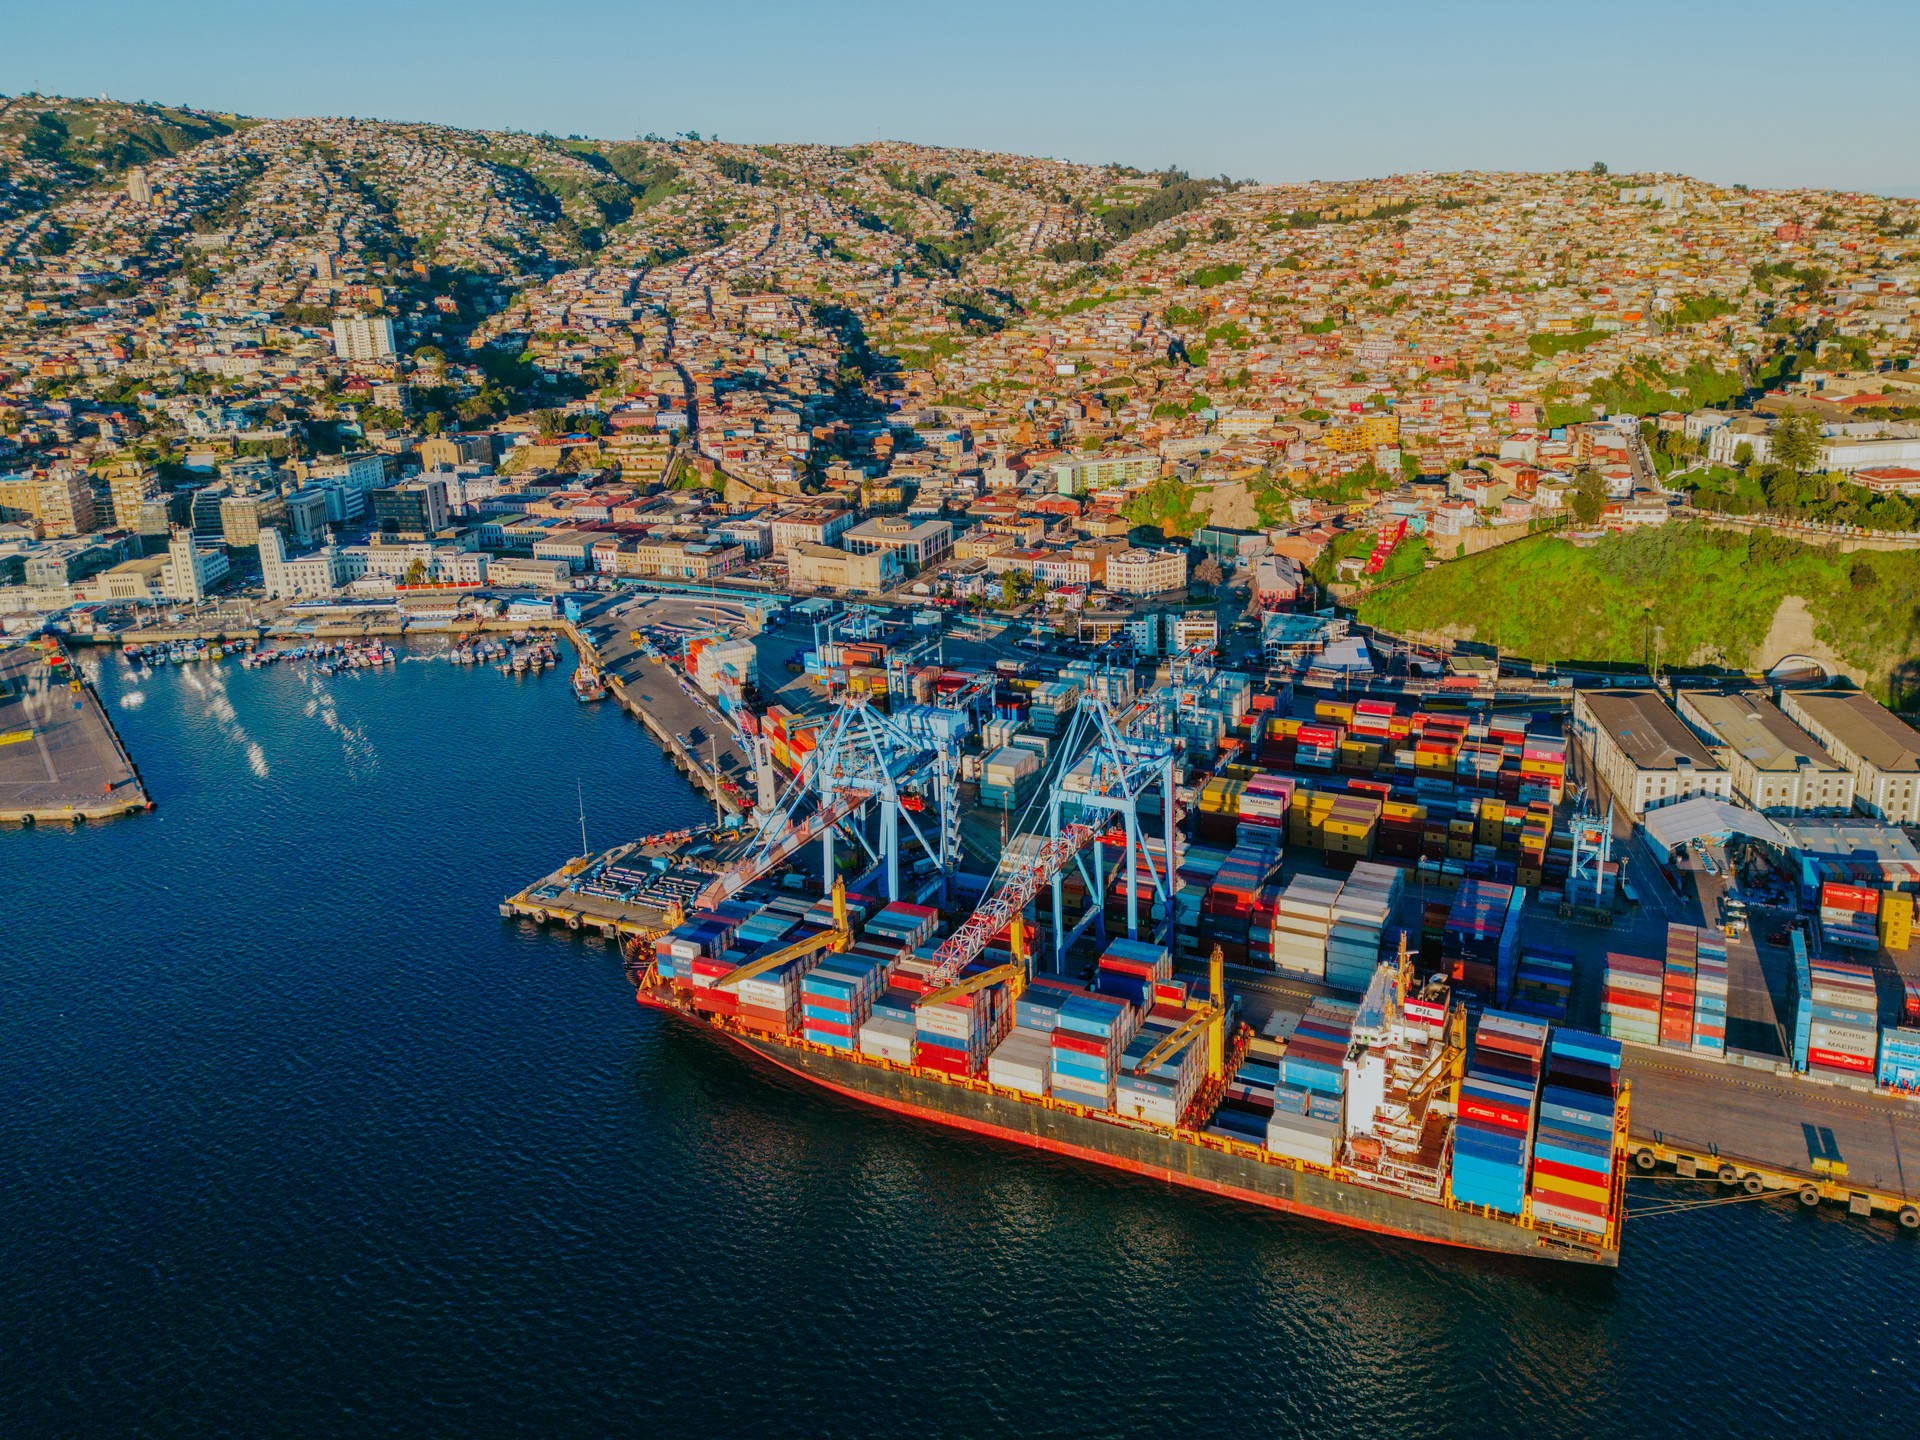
1776 767
1881 750
1643 751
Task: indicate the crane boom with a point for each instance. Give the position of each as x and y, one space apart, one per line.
839 939
1187 1030
844 803
996 912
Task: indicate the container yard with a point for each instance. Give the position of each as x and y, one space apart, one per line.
1311 954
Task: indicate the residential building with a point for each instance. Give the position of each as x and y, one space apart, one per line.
242 517
130 485
450 452
359 338
1146 572
1881 750
513 572
1777 768
1643 751
814 526
66 503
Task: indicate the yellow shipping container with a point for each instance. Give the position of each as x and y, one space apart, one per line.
1460 849
1333 710
1525 875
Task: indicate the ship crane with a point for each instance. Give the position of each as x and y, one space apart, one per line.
839 940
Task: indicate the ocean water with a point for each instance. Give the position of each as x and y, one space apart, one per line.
298 1137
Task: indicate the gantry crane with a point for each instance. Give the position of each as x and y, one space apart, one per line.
839 939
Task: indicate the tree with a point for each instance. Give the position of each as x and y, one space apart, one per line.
1599 168
1795 442
549 423
1208 573
1589 497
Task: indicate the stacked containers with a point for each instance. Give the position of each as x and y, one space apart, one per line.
1573 1146
1896 920
1302 924
1843 1036
1900 1059
1307 1125
1160 1094
1022 1061
1677 987
1263 807
836 998
1129 970
1316 1053
955 1036
1542 983
1234 898
1849 916
1368 904
1493 1134
1803 998
910 925
1630 1005
1710 996
1087 1039
887 1033
1475 925
1007 778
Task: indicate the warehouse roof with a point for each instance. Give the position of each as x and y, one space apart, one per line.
1862 725
1753 727
1647 730
1709 817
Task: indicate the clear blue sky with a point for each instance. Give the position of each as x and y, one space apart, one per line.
1762 92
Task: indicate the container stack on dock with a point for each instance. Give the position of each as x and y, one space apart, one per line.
1542 983
1493 1136
1843 1034
1365 912
1302 924
1235 901
1630 1004
1007 778
1573 1146
1710 996
1850 916
1482 937
1896 920
1677 987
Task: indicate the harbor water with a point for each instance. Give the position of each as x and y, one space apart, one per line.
300 1138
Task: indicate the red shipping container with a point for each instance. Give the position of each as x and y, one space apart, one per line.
1834 1060
1571 1172
935 1057
1492 1112
716 1002
828 1027
1081 1044
762 1024
1579 1204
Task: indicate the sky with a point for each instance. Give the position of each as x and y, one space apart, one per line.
1760 93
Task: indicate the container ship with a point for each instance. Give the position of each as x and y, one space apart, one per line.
1398 1113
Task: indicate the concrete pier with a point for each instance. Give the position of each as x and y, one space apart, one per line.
61 761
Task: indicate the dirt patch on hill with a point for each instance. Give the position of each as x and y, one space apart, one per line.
1792 633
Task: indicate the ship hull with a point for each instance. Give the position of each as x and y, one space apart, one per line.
1158 1155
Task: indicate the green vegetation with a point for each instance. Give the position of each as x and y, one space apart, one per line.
1167 506
1547 345
1698 309
1409 558
1212 275
1714 593
741 172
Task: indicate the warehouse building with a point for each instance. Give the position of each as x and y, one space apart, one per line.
1881 750
1776 767
1643 751
823 567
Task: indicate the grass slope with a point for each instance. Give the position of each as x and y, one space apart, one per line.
1714 594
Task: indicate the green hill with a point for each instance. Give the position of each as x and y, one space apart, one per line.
1719 598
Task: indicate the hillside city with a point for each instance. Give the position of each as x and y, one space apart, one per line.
306 359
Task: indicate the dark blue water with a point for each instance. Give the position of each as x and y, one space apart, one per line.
299 1138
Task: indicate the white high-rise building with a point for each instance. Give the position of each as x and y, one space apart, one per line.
363 337
317 575
191 569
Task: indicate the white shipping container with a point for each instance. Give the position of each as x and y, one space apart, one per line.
887 1040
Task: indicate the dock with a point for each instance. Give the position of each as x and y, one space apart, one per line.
562 898
61 760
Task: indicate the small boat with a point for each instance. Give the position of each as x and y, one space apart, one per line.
588 685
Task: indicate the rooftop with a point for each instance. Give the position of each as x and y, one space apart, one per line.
1645 727
1863 726
1753 727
